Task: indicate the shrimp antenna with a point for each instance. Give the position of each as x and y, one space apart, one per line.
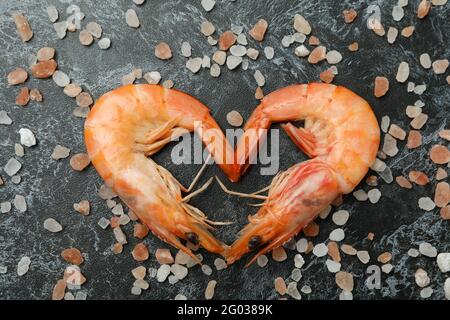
198 191
240 194
197 177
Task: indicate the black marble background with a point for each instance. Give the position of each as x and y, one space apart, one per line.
52 187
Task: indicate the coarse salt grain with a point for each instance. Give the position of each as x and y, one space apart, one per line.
301 24
337 235
363 256
426 204
52 225
320 250
333 266
209 292
421 278
340 217
427 250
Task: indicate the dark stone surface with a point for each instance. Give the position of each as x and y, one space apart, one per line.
52 187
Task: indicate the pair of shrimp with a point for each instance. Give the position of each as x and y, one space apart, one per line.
127 125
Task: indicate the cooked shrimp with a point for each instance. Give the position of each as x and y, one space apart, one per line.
340 134
133 122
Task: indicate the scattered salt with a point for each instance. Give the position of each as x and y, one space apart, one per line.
215 70
425 293
387 268
360 195
5 207
425 203
260 79
238 50
23 266
333 266
320 250
427 250
402 72
209 292
27 137
301 25
421 278
179 271
103 223
194 65
269 52
293 291
52 225
340 217
333 57
262 260
299 261
20 203
206 269
163 273
443 261
207 28
414 253
4 118
363 256
60 78
12 167
233 62
52 13
425 60
220 264
131 18
104 43
398 13
208 5
136 291
296 275
337 235
153 77
186 49
302 245
374 195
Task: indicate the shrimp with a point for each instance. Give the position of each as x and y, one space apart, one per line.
340 135
131 123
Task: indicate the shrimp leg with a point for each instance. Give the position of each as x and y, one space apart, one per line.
302 138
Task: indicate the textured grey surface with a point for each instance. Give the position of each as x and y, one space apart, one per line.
52 187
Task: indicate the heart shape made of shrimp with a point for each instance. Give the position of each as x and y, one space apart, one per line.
127 125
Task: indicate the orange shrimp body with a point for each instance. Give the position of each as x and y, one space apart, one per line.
133 122
340 134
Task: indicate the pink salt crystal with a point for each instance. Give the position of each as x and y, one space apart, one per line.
259 30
